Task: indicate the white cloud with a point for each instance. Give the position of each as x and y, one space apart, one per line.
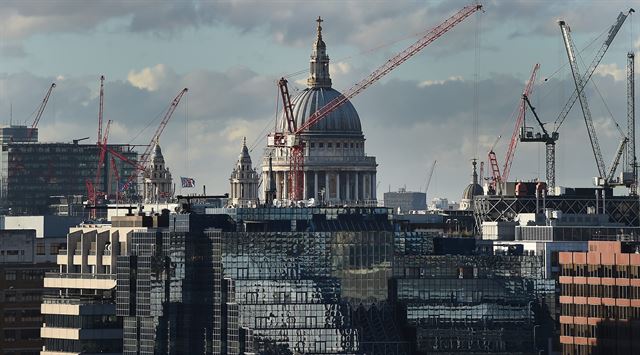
611 69
439 82
148 78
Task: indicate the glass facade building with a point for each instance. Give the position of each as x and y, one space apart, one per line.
321 281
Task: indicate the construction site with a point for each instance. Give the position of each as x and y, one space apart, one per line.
300 254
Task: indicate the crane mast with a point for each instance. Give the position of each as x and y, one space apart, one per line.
578 79
287 107
293 141
40 110
100 109
632 165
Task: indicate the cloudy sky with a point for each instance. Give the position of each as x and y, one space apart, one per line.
230 54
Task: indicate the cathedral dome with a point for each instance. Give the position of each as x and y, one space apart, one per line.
472 190
343 120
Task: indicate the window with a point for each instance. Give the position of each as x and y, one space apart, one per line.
40 249
337 145
10 275
329 145
321 145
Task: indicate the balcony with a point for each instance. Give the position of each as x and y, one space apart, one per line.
80 281
69 275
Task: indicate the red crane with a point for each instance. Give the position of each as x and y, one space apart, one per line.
40 110
100 109
508 160
144 158
116 175
292 139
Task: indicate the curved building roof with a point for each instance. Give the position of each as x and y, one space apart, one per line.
344 119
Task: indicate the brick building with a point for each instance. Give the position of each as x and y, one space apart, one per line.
600 299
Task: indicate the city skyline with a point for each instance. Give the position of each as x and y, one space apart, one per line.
230 55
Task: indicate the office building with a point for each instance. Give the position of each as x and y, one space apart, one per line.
24 260
80 315
600 299
32 173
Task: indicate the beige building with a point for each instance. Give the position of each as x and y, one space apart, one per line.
244 181
157 181
81 317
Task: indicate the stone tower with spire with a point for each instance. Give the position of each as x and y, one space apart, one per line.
472 190
244 181
157 181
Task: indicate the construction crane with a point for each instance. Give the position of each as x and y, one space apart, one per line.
102 151
116 175
92 187
144 158
604 178
527 134
508 160
429 176
613 31
100 109
40 111
493 164
292 141
632 163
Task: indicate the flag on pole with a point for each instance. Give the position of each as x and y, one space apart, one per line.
188 182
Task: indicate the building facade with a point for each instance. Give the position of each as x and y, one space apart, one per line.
31 173
600 299
80 314
157 184
404 201
336 167
24 260
244 181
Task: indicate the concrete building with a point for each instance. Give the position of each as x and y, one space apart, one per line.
31 173
18 133
45 226
244 181
24 260
600 299
336 167
404 201
157 184
80 315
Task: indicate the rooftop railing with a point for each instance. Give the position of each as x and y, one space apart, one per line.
88 276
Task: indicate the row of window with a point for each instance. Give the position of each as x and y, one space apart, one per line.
599 311
604 291
617 271
82 322
622 330
13 275
337 145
